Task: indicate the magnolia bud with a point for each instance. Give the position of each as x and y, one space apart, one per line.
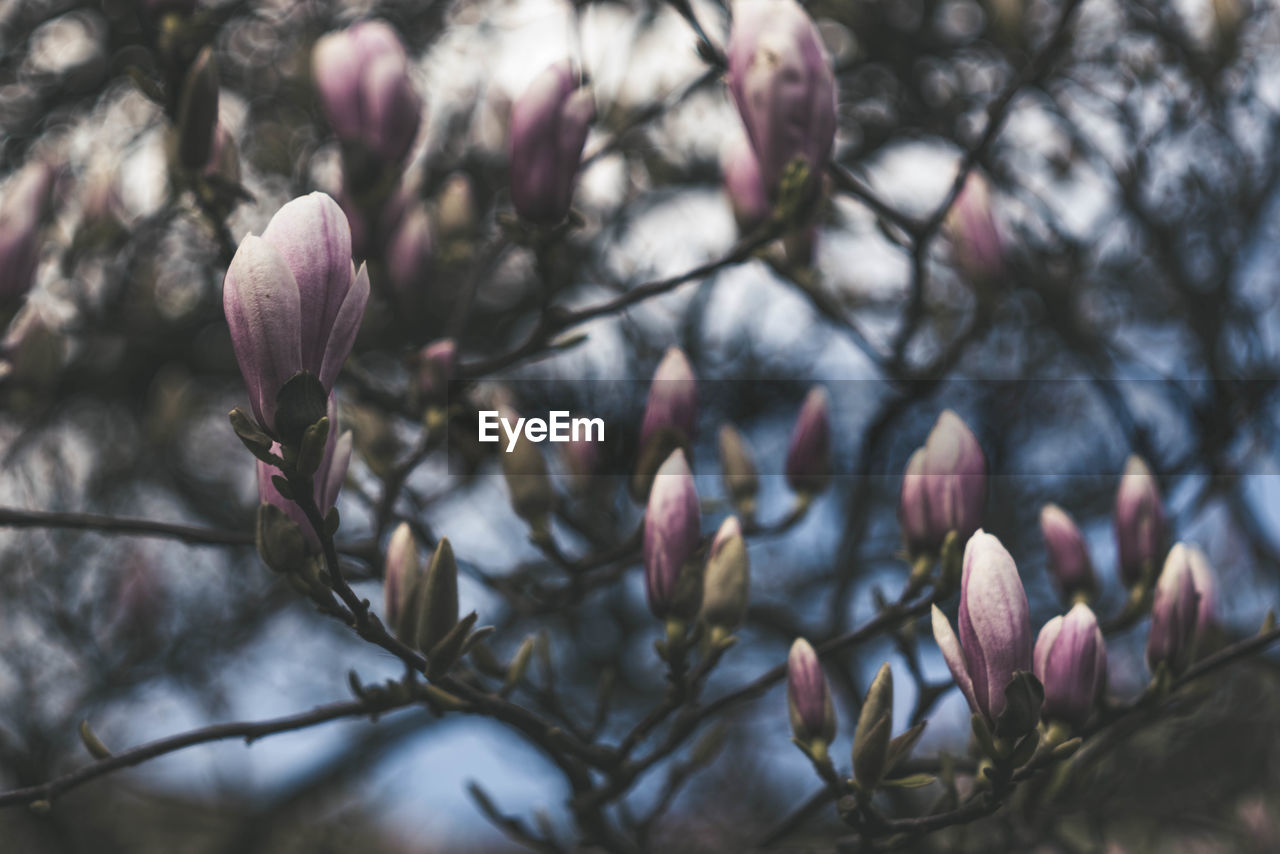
526 473
809 455
813 716
727 581
995 627
874 732
1139 522
409 259
1071 664
672 530
977 247
437 363
198 112
362 76
294 301
744 186
549 125
456 208
945 486
1206 582
400 573
738 471
224 158
1174 611
436 598
669 418
673 400
782 84
1069 564
24 205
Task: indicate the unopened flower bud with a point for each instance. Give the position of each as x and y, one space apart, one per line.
945 486
670 417
409 259
782 83
726 586
874 732
294 301
198 112
1069 563
24 206
436 598
673 400
400 573
738 471
362 75
1071 664
809 454
549 125
813 715
1174 610
1140 525
672 530
456 208
744 186
1206 582
224 158
977 246
437 363
995 627
526 474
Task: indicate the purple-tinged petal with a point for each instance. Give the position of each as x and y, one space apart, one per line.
953 654
260 300
346 326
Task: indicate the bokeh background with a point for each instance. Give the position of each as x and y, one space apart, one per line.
1128 149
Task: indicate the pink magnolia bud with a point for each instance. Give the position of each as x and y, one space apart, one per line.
945 486
1069 564
672 529
809 455
362 75
549 125
24 205
673 399
782 83
1071 664
813 715
975 238
401 569
1206 582
1139 522
409 258
437 363
744 186
326 482
995 627
293 300
1174 612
